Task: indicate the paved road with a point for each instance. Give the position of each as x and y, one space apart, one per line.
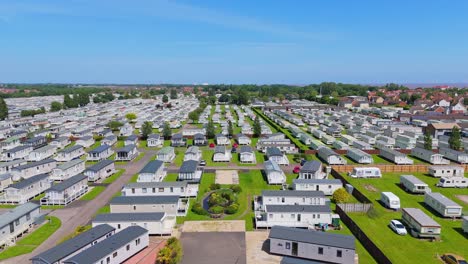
83 212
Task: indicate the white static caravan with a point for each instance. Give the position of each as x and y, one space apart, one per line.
379 144
443 205
390 200
362 145
429 156
33 168
414 185
340 145
17 221
453 182
348 139
316 144
457 156
5 181
327 186
446 171
395 156
317 133
101 170
114 249
368 139
6 167
331 157
359 156
41 153
70 153
67 191
155 223
465 224
420 224
328 139
366 172
67 170
181 188
25 190
274 173
15 153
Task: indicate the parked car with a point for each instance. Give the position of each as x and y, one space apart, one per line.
398 227
212 145
202 163
303 161
453 259
296 169
233 150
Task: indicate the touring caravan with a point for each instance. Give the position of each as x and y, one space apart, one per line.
443 205
413 184
453 182
390 200
366 172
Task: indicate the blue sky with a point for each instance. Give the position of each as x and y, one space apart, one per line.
233 41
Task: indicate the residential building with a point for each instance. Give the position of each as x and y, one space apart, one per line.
67 191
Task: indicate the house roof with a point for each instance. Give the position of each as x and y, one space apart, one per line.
318 181
166 150
71 149
288 193
220 149
110 137
127 217
177 136
156 184
246 149
5 176
313 237
25 183
18 148
100 149
67 183
420 217
311 165
273 151
192 149
34 164
271 166
290 208
127 148
17 212
154 136
170 199
107 246
443 199
152 166
12 163
444 125
132 137
189 166
70 164
199 136
100 165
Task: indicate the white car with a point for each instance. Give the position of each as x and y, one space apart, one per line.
398 227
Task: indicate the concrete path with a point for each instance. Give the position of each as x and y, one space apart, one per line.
74 216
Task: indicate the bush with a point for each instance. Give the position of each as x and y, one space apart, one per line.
232 209
198 209
217 199
217 209
171 253
235 188
341 196
215 186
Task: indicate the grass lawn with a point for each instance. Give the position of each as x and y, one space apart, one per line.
95 191
8 206
93 146
103 210
379 160
171 177
52 207
134 178
139 157
39 197
364 256
114 177
32 240
421 250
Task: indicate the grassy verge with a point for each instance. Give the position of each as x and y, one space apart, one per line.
114 177
95 191
32 240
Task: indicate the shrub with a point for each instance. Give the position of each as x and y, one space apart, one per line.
171 253
215 186
217 209
198 209
235 188
341 196
232 209
216 199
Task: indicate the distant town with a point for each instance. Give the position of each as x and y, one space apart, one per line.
256 174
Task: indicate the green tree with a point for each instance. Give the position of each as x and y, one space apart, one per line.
230 129
257 128
3 109
404 97
146 129
194 116
455 139
131 116
173 94
55 106
341 196
210 130
67 101
165 99
167 132
114 125
427 141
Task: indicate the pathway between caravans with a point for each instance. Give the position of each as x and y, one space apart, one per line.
75 216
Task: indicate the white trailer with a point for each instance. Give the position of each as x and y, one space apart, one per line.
453 182
390 200
457 156
368 139
395 156
362 145
429 156
443 205
465 224
327 139
318 133
414 185
340 145
366 172
446 171
359 156
379 144
348 139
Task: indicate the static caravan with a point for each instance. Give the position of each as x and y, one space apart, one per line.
359 156
395 156
443 205
414 185
5 181
155 223
318 133
67 170
25 190
301 216
340 145
100 170
348 139
181 188
457 156
41 153
429 156
390 200
274 173
362 145
312 246
328 139
115 249
331 157
6 167
446 171
316 144
420 224
465 224
366 172
170 204
70 153
166 154
17 221
153 171
327 186
100 153
15 153
312 169
73 246
387 140
67 191
368 139
379 144
126 153
453 182
33 168
111 140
